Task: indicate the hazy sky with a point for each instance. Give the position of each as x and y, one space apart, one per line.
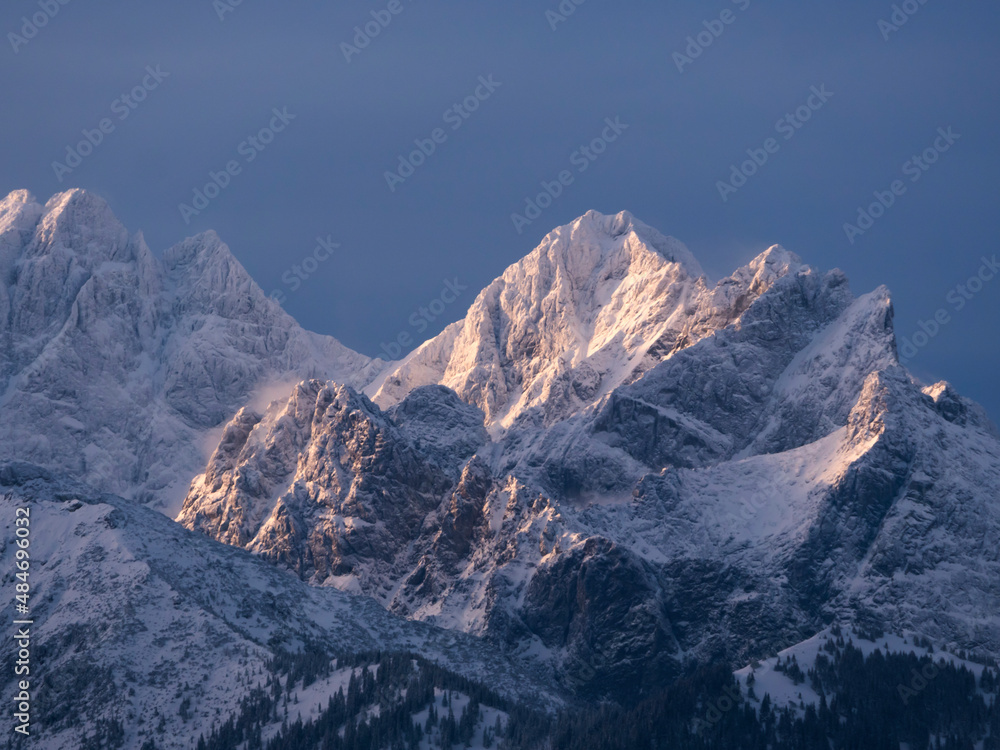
886 91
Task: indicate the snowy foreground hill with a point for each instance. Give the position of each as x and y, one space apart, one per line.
134 615
610 476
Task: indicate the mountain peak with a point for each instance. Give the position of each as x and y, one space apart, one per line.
82 224
599 301
19 214
198 250
75 197
16 198
211 278
612 227
777 257
771 265
78 206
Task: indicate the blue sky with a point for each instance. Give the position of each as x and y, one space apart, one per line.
551 91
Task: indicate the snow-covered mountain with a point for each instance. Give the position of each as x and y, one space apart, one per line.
116 366
611 470
624 469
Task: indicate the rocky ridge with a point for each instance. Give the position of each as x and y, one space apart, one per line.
672 471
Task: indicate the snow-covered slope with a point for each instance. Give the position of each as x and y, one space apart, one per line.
675 471
775 679
134 615
115 365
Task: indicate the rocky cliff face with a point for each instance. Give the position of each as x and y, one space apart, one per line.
329 485
127 360
623 469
